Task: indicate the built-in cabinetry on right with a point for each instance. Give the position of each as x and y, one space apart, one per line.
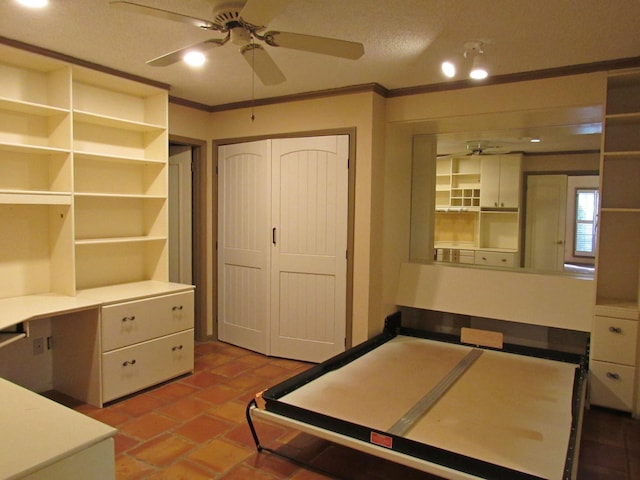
614 359
478 210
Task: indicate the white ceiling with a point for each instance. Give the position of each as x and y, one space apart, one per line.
405 40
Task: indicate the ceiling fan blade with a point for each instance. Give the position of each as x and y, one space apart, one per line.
165 14
311 43
176 56
262 64
259 13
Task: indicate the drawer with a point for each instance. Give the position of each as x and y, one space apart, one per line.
614 340
140 320
495 259
467 256
130 369
454 255
611 385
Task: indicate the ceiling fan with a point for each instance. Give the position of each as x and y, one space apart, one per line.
479 147
242 21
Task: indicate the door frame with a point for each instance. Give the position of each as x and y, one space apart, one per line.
569 173
351 132
200 173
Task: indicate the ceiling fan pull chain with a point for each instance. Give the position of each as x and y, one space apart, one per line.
253 80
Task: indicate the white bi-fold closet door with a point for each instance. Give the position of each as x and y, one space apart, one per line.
282 246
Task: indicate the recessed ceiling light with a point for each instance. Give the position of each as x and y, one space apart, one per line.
449 69
194 58
34 3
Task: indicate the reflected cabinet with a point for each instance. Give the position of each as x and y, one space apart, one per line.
477 218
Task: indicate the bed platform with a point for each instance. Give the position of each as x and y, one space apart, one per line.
451 409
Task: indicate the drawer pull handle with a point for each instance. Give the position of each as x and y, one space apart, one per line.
615 329
179 307
179 347
613 376
128 362
128 319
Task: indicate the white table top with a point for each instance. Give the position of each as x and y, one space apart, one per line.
37 432
14 310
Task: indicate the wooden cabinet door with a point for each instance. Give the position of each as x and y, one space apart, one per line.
490 181
509 187
500 181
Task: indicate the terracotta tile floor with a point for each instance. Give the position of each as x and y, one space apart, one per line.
194 428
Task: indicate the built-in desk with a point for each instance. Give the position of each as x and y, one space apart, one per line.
75 329
110 341
42 439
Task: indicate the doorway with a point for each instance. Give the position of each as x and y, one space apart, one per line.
188 172
550 222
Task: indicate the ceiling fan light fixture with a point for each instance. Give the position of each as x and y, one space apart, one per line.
194 58
239 36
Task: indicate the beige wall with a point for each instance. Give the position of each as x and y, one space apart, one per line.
194 124
562 100
384 129
362 111
584 162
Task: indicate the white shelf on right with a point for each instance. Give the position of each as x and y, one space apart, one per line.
613 307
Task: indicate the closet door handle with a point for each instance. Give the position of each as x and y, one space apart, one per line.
273 235
615 329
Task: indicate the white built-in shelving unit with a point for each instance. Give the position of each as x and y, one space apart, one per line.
84 215
478 209
614 361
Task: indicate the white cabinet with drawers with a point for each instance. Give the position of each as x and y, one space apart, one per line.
614 346
146 335
615 371
129 369
496 259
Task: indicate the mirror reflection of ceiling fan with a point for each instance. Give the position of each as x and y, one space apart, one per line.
480 147
242 22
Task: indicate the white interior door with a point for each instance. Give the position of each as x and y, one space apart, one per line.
180 230
244 227
309 247
545 222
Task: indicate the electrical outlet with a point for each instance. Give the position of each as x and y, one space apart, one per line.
38 346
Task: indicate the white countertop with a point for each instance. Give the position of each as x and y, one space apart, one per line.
14 310
37 432
132 291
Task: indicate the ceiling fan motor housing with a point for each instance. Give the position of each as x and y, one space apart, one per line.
227 15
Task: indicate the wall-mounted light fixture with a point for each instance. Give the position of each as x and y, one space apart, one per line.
472 63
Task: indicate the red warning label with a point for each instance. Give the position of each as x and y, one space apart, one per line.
382 440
